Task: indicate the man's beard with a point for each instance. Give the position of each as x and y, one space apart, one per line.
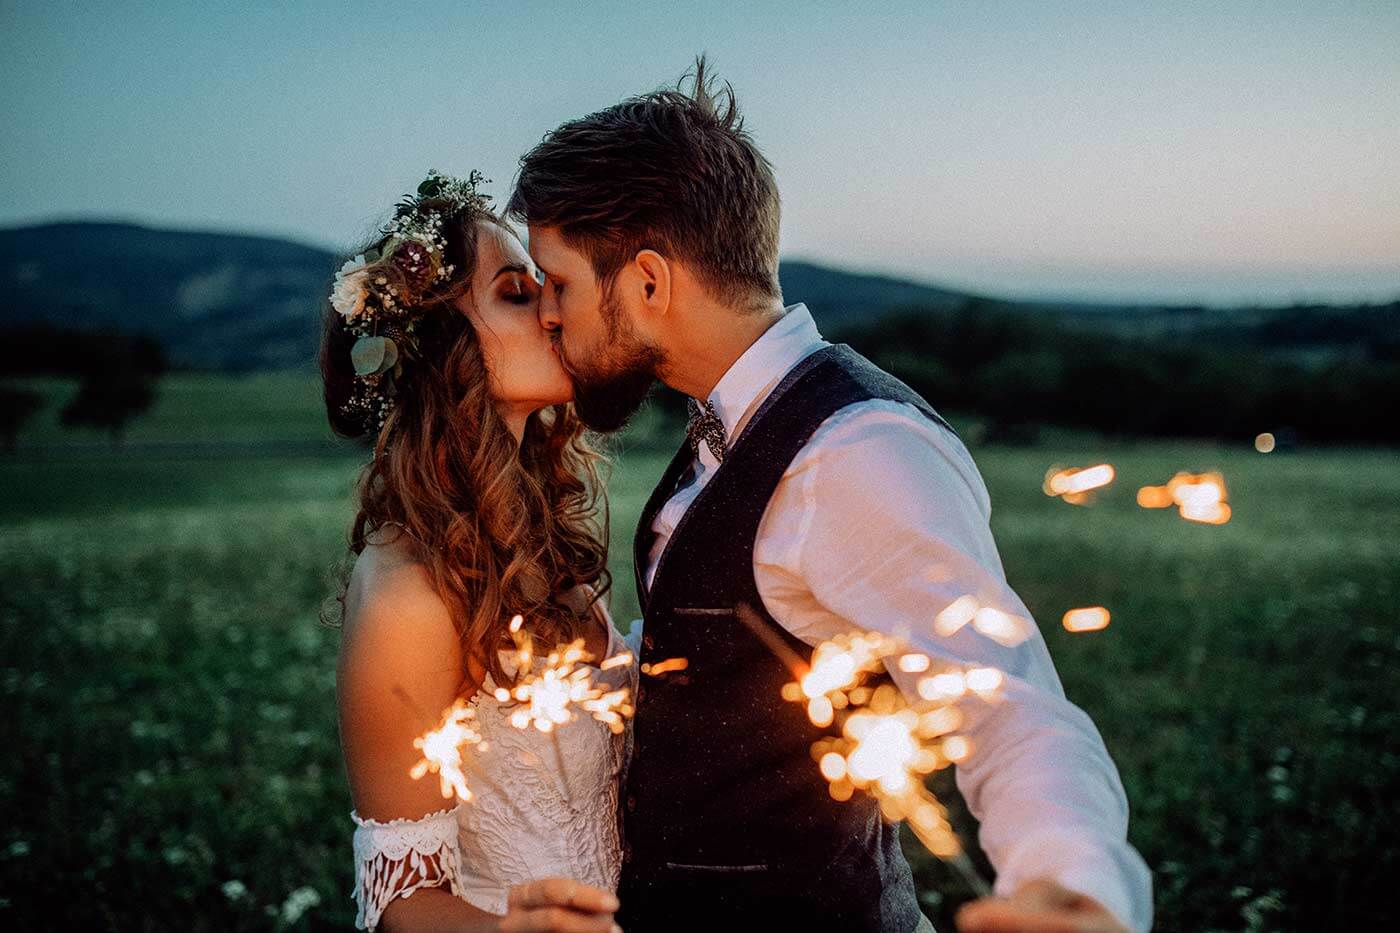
609 389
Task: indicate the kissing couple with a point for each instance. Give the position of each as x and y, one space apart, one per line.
813 495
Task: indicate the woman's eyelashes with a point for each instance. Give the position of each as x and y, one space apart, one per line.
518 293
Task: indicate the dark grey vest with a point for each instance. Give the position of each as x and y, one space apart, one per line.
728 824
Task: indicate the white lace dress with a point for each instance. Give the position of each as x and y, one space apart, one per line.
522 824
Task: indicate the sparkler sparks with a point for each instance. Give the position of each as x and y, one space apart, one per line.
1000 626
887 747
665 667
552 696
549 698
1199 497
1074 485
442 750
1088 619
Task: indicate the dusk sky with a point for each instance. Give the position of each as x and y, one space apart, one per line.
1214 151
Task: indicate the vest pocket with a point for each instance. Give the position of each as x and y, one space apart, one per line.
686 866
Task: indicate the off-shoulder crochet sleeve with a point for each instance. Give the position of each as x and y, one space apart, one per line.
396 858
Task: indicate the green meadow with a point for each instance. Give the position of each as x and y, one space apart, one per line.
172 753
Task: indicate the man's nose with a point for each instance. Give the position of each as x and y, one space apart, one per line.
549 313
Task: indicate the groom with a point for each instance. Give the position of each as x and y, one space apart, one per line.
815 494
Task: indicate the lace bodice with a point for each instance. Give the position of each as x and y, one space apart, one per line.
524 822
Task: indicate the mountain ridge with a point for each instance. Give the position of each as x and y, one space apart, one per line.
245 301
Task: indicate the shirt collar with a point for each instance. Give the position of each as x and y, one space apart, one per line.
762 366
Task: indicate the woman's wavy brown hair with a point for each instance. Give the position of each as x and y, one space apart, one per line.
502 529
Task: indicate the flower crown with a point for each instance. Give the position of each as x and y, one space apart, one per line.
381 310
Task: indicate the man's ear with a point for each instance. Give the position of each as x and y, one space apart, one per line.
653 281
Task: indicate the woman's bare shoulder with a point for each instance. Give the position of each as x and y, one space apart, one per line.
390 595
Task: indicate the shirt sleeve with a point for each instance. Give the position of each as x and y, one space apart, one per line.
881 522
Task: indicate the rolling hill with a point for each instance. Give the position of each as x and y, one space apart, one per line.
232 302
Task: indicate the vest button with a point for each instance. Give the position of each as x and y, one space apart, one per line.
631 803
646 641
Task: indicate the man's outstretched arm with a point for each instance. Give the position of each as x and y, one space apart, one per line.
881 521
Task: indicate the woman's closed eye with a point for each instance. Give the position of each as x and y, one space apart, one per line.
518 294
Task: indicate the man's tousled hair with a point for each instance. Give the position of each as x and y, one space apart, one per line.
672 171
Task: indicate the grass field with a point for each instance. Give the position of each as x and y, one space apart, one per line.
173 760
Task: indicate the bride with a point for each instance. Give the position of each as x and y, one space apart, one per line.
478 505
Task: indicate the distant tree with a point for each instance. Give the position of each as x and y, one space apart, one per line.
46 349
112 393
17 406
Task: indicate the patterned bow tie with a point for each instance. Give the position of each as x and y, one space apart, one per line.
704 425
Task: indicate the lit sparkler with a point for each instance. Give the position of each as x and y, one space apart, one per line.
442 750
552 696
548 699
887 747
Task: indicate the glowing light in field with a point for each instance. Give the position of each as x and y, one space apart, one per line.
1198 497
1155 497
1088 619
1203 501
1074 485
1265 443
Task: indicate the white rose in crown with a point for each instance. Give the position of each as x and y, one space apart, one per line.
348 296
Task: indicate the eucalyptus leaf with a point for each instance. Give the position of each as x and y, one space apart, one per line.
373 355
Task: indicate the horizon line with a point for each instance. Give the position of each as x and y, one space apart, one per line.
1112 296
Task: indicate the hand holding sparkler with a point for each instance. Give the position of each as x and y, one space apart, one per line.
1038 906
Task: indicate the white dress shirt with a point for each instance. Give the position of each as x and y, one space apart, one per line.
881 521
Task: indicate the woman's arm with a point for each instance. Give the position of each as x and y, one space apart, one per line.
400 666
